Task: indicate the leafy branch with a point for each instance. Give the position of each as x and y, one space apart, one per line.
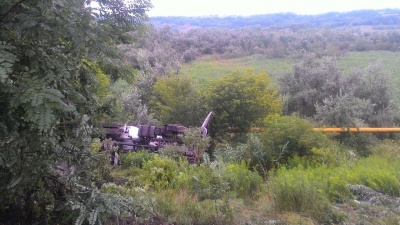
16 4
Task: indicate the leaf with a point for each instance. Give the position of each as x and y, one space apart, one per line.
93 216
15 182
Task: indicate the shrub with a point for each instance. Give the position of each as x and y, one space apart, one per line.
245 183
218 181
333 156
135 159
158 173
240 100
286 136
205 182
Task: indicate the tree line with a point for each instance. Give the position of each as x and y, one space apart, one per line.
186 46
388 17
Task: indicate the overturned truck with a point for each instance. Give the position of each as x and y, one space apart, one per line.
126 138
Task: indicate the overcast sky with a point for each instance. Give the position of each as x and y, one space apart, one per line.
253 7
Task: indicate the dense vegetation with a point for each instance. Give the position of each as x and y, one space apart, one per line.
67 67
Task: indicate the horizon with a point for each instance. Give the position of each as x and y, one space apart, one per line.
293 13
225 8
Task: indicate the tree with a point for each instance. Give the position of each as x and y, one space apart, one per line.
343 111
318 90
283 137
176 100
311 82
153 56
52 90
240 100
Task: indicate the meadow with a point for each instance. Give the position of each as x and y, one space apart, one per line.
209 68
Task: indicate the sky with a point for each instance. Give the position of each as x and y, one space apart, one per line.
254 7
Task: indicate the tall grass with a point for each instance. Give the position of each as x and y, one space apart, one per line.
169 191
311 189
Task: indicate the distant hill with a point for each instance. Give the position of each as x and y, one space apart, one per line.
387 17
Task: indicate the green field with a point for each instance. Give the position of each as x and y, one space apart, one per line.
389 60
209 68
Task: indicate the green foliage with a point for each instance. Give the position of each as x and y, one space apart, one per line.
158 173
287 136
343 111
53 55
252 151
377 173
176 100
360 143
312 187
389 149
316 88
283 140
7 60
363 59
165 190
214 181
310 82
135 159
207 69
308 191
240 100
195 141
295 191
184 208
103 82
374 84
331 156
246 183
99 207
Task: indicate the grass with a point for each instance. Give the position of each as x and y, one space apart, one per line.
313 191
308 191
209 68
390 60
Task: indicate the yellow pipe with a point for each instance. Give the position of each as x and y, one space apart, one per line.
359 130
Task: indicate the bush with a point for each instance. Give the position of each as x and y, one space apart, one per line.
203 181
287 136
360 142
333 156
245 183
158 173
135 159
